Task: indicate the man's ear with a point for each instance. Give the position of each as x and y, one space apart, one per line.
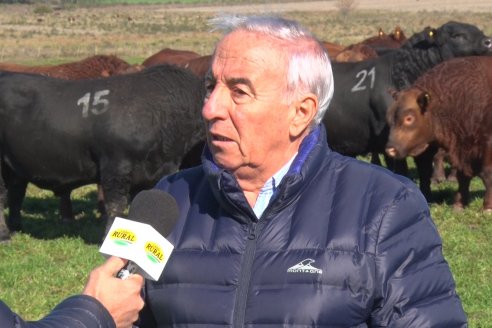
305 111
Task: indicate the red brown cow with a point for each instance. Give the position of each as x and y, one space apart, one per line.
199 66
393 40
366 49
333 48
356 52
170 56
91 67
451 105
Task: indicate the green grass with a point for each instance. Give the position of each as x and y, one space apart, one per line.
49 260
466 237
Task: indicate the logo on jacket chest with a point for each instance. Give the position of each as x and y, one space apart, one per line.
305 266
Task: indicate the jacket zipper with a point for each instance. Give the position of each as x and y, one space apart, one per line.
245 277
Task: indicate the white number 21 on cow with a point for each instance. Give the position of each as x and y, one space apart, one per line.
98 106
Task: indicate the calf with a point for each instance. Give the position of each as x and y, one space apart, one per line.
123 132
451 105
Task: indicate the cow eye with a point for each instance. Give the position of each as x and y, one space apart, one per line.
458 36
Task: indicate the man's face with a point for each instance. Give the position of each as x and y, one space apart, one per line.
247 122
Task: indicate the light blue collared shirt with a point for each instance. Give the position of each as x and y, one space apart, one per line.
270 188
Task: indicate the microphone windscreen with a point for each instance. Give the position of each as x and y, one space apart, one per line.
156 208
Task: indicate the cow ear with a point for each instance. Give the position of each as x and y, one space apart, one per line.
393 93
423 101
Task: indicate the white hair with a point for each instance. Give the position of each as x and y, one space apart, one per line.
309 68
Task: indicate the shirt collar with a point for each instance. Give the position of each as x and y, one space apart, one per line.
272 183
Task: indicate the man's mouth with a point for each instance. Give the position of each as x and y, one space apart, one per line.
216 137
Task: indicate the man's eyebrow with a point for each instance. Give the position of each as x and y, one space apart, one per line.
241 80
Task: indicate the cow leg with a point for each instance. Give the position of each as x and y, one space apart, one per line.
398 166
15 196
438 173
486 176
487 198
423 163
115 183
463 195
100 201
375 159
4 230
65 206
453 175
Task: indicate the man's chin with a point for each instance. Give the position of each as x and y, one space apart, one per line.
225 161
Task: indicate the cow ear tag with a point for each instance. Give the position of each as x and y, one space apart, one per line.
423 101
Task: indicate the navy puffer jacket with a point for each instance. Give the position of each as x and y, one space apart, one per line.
80 311
342 244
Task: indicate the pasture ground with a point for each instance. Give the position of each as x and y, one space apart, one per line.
50 260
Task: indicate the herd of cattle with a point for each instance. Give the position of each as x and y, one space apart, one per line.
102 120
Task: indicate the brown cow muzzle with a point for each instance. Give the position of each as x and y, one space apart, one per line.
391 151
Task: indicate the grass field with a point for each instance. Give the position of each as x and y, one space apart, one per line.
50 260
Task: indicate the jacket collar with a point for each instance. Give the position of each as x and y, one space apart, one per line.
304 167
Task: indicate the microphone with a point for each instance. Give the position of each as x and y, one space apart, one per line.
139 239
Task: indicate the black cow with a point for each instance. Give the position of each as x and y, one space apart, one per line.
124 132
355 119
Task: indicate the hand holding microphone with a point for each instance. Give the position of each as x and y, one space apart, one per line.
122 299
139 238
137 241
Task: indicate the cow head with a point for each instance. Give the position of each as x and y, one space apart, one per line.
458 39
410 123
453 39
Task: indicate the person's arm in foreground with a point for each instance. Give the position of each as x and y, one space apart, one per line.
416 287
106 302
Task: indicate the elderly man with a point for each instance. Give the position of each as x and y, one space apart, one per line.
275 229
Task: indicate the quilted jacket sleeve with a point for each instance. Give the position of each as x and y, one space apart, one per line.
415 285
79 311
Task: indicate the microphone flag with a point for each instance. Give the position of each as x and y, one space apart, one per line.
139 243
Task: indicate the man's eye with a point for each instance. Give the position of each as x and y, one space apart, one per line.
239 96
239 92
209 88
